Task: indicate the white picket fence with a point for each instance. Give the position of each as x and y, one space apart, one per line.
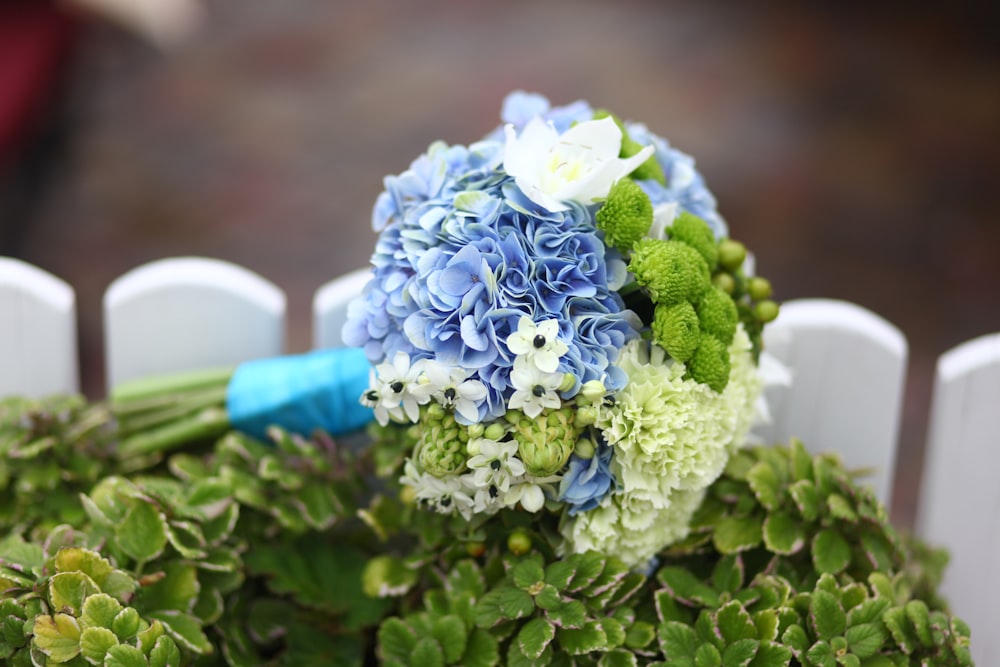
848 367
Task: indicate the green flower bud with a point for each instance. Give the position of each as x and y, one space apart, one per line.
476 430
441 447
519 542
676 330
766 310
544 444
495 431
585 416
725 282
717 315
568 382
671 271
731 254
626 215
585 448
710 363
694 231
408 495
591 391
759 288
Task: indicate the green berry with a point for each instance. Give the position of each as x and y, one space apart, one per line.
759 288
670 271
475 549
710 363
766 311
717 314
519 542
731 254
694 231
676 330
626 215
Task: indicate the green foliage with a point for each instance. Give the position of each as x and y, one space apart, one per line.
245 553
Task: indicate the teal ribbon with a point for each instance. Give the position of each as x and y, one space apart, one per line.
301 393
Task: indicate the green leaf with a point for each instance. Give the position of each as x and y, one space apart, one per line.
840 508
165 653
396 639
584 640
783 534
142 535
821 655
126 623
178 589
570 614
763 479
852 595
70 589
618 658
560 573
830 552
548 598
515 658
740 653
806 499
640 635
737 533
527 574
771 655
451 634
865 639
687 588
589 566
482 650
707 656
677 640
800 460
826 615
99 610
185 630
124 655
728 573
534 636
878 551
427 653
734 623
95 643
919 615
613 630
503 604
147 638
869 611
795 638
58 637
187 538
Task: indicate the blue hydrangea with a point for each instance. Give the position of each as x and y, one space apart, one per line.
587 481
462 254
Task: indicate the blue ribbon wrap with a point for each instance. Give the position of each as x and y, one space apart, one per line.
301 393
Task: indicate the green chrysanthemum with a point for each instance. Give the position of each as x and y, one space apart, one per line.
695 232
626 215
717 314
671 271
710 363
441 447
544 444
676 329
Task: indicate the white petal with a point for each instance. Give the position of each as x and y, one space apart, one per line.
532 498
599 136
546 361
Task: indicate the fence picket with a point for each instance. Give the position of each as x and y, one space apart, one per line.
848 367
330 307
186 313
960 499
37 332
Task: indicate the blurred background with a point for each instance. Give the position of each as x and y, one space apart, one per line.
855 150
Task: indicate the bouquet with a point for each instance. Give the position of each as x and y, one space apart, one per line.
560 314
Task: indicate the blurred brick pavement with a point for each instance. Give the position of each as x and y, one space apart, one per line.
857 151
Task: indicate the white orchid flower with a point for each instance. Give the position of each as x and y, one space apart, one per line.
580 165
537 343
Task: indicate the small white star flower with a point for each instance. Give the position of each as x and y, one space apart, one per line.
495 465
535 390
444 494
530 495
450 386
399 390
537 343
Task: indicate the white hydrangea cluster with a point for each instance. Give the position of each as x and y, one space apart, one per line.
671 437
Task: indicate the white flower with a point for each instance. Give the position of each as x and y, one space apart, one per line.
451 388
663 216
537 343
529 494
535 390
445 494
581 165
399 390
495 464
